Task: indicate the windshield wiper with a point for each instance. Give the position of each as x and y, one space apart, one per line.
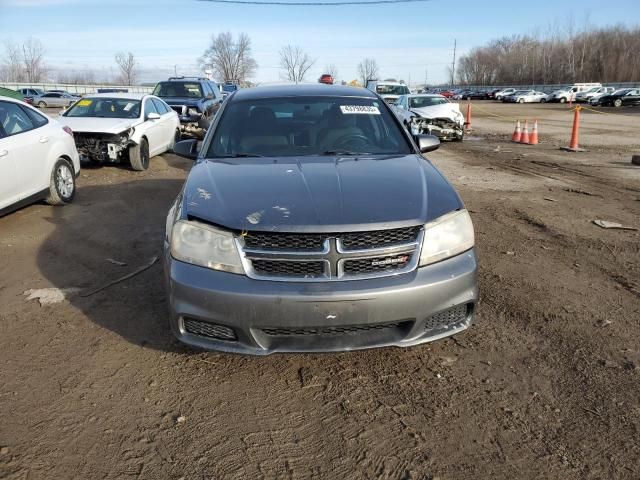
242 155
344 152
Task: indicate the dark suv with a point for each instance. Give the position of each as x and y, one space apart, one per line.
196 100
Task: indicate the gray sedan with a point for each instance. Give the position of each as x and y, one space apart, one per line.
54 99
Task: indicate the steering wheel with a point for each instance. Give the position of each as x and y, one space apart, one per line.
350 137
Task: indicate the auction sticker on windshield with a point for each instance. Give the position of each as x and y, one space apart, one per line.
84 103
362 109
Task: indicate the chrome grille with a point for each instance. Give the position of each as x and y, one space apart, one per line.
289 268
378 264
330 257
380 238
284 241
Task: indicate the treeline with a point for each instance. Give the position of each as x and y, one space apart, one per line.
608 54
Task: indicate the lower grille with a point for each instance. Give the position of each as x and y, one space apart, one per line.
447 318
337 330
379 264
209 330
289 268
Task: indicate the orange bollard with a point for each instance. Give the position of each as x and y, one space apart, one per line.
516 133
525 133
533 138
467 124
575 132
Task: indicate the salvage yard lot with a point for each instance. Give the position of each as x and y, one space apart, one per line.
546 384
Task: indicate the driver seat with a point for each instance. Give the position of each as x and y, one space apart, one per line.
339 125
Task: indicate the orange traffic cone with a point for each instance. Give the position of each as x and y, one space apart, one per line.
467 124
533 138
516 133
575 132
524 138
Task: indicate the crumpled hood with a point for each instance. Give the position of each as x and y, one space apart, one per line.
444 110
99 125
318 194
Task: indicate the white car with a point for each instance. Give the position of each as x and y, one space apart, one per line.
122 128
38 158
430 113
530 96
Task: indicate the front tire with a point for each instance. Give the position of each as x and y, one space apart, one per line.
177 136
139 155
543 100
42 105
563 100
521 100
62 186
617 102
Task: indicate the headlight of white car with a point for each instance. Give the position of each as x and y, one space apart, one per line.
205 246
446 236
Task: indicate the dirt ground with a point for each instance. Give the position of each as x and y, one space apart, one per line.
545 385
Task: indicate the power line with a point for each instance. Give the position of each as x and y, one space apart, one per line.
314 4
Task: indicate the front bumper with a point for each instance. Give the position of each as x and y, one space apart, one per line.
269 317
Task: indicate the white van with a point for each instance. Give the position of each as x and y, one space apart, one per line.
569 93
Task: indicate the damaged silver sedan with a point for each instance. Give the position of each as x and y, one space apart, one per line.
122 128
431 114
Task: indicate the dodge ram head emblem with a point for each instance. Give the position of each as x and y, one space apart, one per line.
390 261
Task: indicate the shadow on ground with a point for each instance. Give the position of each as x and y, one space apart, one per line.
124 222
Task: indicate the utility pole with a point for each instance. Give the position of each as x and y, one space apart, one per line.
425 78
175 70
453 64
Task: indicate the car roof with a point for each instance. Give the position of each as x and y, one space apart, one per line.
302 90
429 95
127 96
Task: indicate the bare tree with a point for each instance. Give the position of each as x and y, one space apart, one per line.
12 69
332 70
295 62
33 58
368 70
231 61
128 67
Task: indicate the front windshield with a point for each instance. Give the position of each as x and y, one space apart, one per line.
178 89
419 102
392 89
280 127
105 108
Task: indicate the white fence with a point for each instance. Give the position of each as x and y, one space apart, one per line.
82 89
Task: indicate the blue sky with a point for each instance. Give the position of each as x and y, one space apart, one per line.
405 39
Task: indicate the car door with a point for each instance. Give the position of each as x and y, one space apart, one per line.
632 98
24 149
166 115
152 129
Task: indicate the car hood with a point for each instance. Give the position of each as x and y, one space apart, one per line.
318 194
99 125
444 110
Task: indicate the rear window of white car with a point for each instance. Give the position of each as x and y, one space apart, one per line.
14 119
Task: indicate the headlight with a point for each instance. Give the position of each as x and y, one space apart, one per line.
193 111
446 236
205 246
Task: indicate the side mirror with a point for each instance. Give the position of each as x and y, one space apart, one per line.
153 116
427 143
187 149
